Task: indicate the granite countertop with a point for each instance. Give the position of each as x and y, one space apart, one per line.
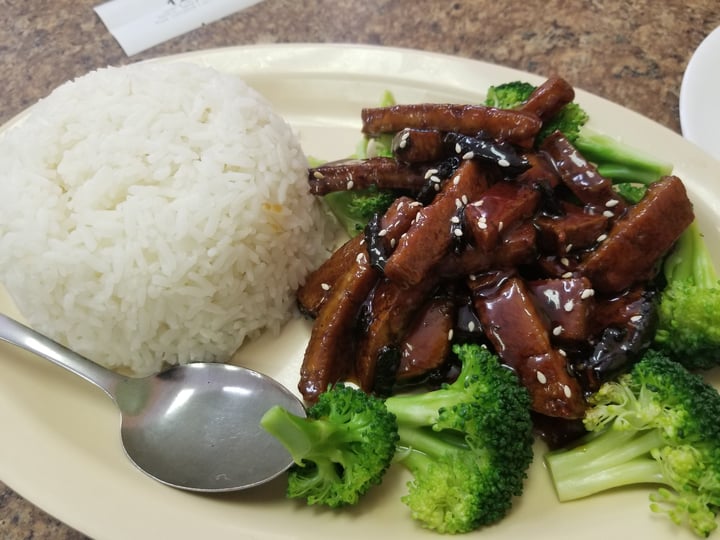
632 52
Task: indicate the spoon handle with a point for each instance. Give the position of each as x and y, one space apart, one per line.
26 338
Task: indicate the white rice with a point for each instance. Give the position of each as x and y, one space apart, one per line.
157 213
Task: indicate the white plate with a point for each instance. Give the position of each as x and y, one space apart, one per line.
699 105
60 444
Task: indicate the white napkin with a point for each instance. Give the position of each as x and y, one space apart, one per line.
140 24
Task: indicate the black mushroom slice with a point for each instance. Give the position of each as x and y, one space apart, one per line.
514 126
649 228
349 174
501 153
627 325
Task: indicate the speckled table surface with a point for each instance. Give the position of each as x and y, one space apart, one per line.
633 52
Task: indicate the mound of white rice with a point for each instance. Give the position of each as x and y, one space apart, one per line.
157 213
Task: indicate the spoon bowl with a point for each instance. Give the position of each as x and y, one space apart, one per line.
194 426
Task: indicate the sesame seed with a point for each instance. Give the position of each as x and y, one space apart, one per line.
436 187
393 242
409 346
587 293
590 174
415 203
458 148
569 305
500 226
472 277
325 286
469 155
457 232
318 175
553 298
464 199
430 172
568 248
435 179
577 160
557 330
567 391
458 203
350 184
608 214
503 162
636 318
471 326
482 223
602 238
360 259
456 180
562 352
565 261
454 219
542 379
612 202
450 334
382 232
567 275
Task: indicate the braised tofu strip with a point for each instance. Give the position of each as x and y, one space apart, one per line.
494 238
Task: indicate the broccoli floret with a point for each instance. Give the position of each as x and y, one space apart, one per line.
354 208
467 444
689 309
509 95
614 160
340 450
657 424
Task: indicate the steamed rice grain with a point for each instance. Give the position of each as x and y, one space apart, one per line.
155 213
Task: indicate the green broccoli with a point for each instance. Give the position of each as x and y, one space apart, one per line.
341 449
657 424
379 145
689 308
354 208
613 159
467 444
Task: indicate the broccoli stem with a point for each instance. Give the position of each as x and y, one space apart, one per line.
611 459
618 161
691 260
428 442
421 409
296 433
621 172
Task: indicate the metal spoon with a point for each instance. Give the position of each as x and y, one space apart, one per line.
193 427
